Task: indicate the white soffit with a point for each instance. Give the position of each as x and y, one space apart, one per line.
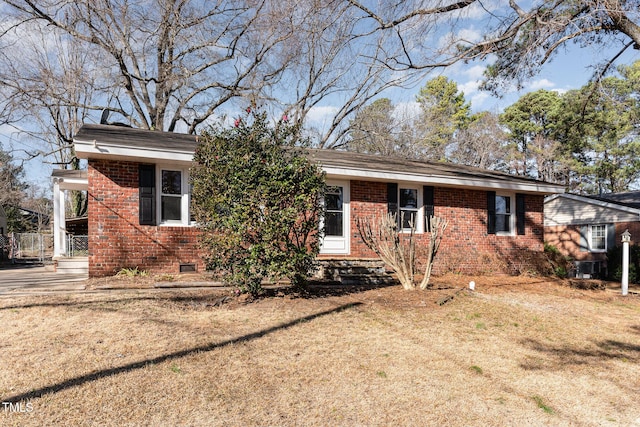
96 150
447 181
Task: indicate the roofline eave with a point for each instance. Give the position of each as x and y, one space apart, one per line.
95 150
446 181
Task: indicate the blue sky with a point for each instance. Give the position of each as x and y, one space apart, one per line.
569 69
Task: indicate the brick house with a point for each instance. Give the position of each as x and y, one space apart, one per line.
585 228
138 187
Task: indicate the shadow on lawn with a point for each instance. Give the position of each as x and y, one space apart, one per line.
78 304
563 356
316 289
94 376
320 289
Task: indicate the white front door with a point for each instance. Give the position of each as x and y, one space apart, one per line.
336 220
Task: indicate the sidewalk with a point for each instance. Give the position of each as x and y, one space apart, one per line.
34 279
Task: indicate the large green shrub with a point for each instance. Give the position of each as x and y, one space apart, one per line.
256 198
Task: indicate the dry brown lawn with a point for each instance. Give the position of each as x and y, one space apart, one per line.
517 351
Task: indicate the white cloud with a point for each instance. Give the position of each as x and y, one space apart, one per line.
469 35
540 84
475 72
469 88
478 99
464 35
320 115
408 109
473 94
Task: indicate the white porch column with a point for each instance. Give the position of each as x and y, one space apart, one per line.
59 225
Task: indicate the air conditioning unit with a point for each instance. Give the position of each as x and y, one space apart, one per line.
588 269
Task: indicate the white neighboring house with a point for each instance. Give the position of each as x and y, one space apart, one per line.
585 228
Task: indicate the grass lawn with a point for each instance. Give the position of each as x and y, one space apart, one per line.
517 351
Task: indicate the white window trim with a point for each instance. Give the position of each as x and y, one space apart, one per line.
590 238
420 210
346 222
185 220
512 214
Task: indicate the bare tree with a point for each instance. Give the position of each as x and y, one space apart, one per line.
176 65
170 62
374 130
398 250
522 38
483 144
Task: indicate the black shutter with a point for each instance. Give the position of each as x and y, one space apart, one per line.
429 208
491 212
611 236
392 198
147 194
520 214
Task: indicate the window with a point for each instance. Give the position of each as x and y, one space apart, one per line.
335 222
408 208
171 196
334 214
164 195
503 214
405 201
506 213
599 238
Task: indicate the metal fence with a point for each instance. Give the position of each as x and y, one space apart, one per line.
27 247
77 245
37 247
5 245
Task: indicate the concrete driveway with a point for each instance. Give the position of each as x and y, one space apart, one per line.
29 280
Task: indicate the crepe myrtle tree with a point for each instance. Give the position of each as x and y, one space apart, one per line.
256 199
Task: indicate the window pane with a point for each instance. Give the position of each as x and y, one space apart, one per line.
171 208
503 204
598 237
408 216
408 198
171 182
503 222
333 201
333 224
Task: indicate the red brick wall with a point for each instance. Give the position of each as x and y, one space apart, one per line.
466 246
567 239
117 240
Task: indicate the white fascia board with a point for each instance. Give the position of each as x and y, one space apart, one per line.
595 202
94 150
445 181
66 183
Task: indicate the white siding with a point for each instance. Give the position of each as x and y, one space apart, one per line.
566 211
